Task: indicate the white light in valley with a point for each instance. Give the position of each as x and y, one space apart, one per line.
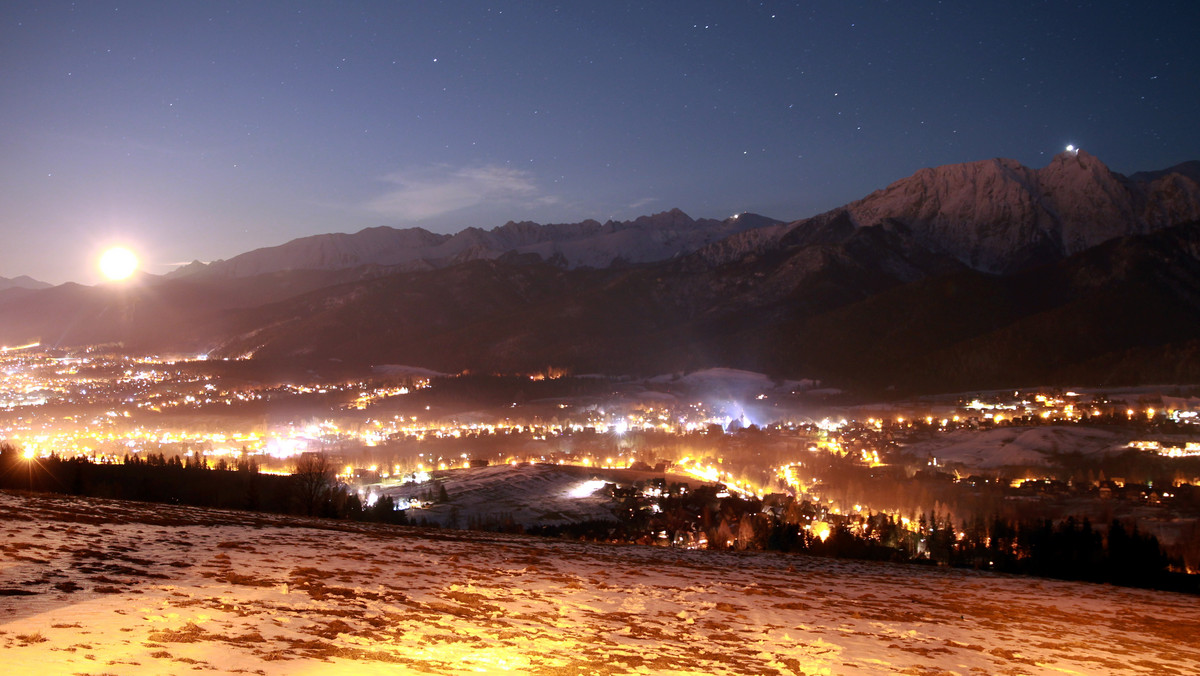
586 489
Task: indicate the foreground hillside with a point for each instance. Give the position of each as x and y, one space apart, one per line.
92 587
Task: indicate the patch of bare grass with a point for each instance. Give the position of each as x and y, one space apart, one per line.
232 577
188 633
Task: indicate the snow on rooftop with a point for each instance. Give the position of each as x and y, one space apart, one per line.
92 587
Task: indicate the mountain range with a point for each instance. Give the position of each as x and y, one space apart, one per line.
22 282
572 245
984 274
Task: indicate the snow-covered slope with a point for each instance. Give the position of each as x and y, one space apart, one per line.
92 586
502 494
1017 446
586 244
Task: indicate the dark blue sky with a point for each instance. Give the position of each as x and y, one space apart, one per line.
202 130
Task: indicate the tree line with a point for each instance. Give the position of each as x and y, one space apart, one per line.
312 489
1069 549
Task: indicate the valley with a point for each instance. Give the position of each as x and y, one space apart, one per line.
717 459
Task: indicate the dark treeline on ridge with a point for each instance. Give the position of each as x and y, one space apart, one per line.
312 490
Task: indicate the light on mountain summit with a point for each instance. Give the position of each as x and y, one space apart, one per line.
1072 149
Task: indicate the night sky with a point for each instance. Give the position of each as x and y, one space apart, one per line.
202 130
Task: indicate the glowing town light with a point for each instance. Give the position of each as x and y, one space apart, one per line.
284 447
821 529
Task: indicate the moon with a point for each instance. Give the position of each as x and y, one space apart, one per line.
118 263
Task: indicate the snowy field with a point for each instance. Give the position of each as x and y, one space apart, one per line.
99 587
494 494
1017 446
527 494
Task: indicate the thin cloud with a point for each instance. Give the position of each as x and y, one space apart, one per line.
643 202
419 194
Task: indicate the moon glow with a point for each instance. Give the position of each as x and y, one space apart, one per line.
118 263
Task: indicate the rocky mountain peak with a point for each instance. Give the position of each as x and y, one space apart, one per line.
675 218
1077 169
998 215
1189 169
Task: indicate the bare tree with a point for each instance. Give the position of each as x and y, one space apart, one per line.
314 476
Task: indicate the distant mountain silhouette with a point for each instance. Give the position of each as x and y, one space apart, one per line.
22 282
587 244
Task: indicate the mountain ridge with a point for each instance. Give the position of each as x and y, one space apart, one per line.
1000 216
23 282
956 277
588 243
